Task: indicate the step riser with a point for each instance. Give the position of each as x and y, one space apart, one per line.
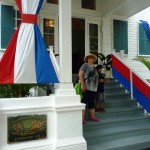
123 120
115 90
117 97
117 136
119 104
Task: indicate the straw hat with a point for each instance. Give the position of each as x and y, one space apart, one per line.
90 55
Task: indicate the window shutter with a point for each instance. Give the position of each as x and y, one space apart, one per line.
7 24
144 42
120 35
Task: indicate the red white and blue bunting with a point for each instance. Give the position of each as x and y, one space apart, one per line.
141 90
26 59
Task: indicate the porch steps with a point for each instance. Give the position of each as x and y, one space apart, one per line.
123 125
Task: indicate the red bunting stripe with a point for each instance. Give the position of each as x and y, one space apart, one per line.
29 18
141 86
121 68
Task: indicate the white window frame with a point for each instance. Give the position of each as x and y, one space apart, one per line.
56 35
16 19
87 37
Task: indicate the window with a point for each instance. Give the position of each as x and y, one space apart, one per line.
7 24
93 37
52 1
89 4
48 33
17 19
144 42
120 29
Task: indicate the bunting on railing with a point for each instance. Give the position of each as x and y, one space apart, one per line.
121 73
140 88
141 92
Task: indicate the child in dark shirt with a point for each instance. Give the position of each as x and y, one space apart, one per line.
100 97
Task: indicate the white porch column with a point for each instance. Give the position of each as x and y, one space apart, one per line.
65 48
68 108
65 42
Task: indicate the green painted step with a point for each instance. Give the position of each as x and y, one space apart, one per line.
116 128
123 125
116 89
130 141
106 118
121 103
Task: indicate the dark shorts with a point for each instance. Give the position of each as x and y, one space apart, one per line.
100 98
89 99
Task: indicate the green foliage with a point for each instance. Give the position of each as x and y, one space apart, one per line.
144 61
106 61
14 90
101 56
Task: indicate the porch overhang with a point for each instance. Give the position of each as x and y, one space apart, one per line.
126 8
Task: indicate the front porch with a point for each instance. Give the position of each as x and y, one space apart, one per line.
63 110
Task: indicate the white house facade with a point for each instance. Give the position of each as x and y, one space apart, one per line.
98 18
73 28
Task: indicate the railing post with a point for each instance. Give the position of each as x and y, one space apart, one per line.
131 84
113 51
138 105
145 113
122 54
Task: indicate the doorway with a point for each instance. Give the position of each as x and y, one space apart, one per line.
78 44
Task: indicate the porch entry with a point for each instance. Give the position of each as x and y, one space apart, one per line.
78 44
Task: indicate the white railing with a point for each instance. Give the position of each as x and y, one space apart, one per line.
132 81
54 61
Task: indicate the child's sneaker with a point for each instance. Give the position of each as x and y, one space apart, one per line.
102 110
84 122
95 119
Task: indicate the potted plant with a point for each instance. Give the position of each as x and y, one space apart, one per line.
106 62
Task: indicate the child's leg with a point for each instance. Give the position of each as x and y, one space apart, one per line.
102 101
97 108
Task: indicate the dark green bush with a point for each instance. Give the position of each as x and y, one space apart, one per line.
14 90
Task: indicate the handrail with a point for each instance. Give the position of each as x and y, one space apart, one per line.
132 81
133 71
54 61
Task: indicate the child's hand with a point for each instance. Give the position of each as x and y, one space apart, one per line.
101 80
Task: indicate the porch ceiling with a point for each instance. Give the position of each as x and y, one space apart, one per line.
125 8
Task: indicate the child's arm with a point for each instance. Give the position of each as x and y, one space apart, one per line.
101 80
106 80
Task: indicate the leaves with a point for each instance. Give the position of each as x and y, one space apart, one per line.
144 61
106 61
14 90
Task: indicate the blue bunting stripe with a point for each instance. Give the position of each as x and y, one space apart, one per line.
141 86
117 75
142 99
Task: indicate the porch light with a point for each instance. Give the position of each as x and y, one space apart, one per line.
49 23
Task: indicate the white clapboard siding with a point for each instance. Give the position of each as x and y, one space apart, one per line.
133 32
107 36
